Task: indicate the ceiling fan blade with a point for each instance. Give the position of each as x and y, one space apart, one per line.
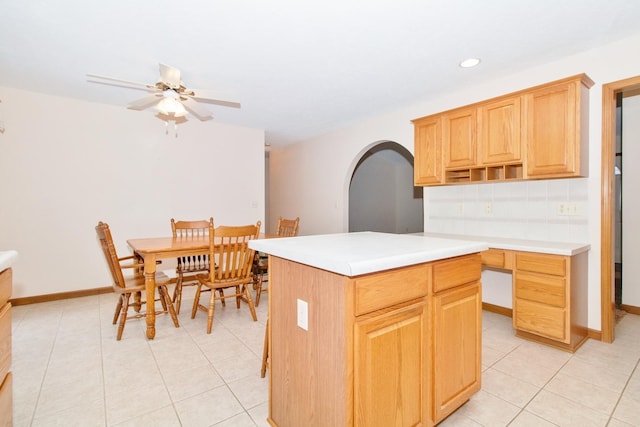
196 109
145 102
170 76
97 76
217 102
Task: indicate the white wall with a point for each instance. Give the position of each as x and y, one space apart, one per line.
630 201
67 164
320 168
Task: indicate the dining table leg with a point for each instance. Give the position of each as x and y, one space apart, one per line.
150 287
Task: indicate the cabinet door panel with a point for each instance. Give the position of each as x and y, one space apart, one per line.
6 400
390 373
5 340
501 129
456 347
460 137
427 151
551 131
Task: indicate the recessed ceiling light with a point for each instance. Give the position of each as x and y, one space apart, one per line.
470 62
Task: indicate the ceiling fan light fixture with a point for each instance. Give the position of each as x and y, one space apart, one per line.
171 106
469 62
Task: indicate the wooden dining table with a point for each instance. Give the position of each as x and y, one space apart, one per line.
152 249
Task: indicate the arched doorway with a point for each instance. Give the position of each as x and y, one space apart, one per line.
382 196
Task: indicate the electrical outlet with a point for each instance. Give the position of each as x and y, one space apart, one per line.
303 314
568 209
562 209
488 208
460 208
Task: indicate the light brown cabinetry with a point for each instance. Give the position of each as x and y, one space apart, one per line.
459 137
556 126
456 316
390 368
428 151
6 401
550 298
399 347
500 131
531 134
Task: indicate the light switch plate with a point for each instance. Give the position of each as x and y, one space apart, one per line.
303 314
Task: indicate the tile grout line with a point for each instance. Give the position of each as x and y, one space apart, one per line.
626 384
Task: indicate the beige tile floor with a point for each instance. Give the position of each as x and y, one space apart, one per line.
70 371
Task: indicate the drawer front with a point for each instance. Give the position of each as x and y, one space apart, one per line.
6 401
5 286
542 263
541 320
5 340
493 258
550 290
381 290
456 272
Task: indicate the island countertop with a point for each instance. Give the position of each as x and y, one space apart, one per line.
354 254
7 259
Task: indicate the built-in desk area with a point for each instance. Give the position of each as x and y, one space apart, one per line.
549 287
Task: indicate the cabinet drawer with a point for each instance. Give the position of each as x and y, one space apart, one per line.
550 290
6 401
5 339
380 290
540 319
493 258
456 271
5 286
541 263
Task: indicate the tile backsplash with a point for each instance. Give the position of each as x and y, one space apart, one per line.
550 210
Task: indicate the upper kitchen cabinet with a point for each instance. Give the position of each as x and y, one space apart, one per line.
459 137
535 133
556 123
500 131
427 167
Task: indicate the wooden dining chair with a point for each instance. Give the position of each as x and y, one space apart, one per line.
128 286
229 250
188 267
286 228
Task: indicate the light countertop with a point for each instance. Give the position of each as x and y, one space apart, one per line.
554 248
7 258
353 254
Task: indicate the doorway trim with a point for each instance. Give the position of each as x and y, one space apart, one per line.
607 234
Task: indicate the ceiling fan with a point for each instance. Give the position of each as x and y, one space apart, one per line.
170 97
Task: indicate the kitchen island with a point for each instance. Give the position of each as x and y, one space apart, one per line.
372 329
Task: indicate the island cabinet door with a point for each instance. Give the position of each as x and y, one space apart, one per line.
390 375
456 347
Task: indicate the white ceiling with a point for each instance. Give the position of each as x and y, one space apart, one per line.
299 67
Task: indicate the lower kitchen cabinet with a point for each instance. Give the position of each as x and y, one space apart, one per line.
6 399
399 347
390 367
550 298
456 347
